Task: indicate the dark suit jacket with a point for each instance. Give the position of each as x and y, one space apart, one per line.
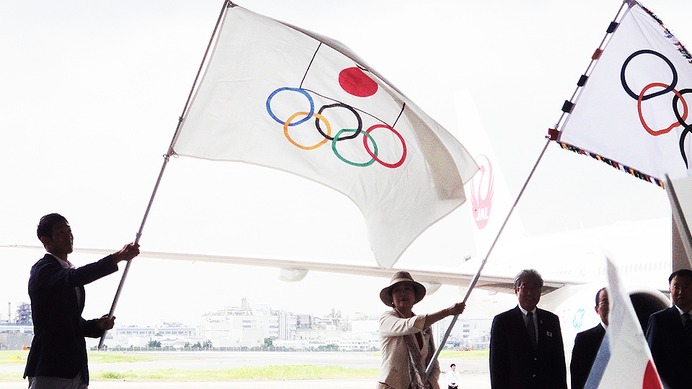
58 348
514 364
669 348
586 345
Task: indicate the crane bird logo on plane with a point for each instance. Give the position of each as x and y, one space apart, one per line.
482 189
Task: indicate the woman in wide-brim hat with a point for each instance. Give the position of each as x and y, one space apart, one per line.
407 342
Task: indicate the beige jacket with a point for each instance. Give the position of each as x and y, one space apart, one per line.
394 371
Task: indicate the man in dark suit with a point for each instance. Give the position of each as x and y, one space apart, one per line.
526 350
669 334
58 358
587 343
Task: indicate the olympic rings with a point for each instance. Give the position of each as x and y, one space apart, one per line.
356 132
687 127
338 155
299 90
677 96
681 120
642 96
307 115
682 145
374 155
636 96
344 134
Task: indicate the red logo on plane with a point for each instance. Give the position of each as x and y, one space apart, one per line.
482 188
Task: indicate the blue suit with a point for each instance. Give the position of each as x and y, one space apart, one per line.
58 348
514 364
671 352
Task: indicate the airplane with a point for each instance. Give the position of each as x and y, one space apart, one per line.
497 276
571 262
569 292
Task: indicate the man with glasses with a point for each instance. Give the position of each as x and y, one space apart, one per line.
669 334
526 349
587 343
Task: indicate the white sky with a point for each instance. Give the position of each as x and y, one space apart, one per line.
91 94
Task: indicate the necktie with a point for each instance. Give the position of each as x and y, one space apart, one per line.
532 329
687 322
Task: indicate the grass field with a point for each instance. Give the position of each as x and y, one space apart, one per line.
11 359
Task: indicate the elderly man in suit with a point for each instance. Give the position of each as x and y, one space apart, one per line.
526 349
669 334
587 343
58 358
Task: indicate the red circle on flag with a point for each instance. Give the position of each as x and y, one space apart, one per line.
357 83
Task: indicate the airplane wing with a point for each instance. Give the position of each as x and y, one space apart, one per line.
294 270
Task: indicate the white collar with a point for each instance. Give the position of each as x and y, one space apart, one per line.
525 312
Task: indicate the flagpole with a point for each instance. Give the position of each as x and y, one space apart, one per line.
552 135
480 268
166 158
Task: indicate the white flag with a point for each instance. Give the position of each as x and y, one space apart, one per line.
635 110
624 359
278 96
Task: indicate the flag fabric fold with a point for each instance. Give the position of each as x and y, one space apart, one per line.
634 110
624 359
680 197
282 97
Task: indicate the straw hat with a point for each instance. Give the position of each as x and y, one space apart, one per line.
397 278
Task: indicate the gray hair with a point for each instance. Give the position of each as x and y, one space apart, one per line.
526 274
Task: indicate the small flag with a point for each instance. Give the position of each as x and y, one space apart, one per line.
634 110
624 359
282 97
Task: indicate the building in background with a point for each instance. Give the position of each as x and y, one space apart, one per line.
258 327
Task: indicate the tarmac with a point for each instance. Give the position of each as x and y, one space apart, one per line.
352 384
468 381
474 373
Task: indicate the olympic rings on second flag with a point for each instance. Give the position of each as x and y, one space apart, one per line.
641 95
687 127
681 119
677 95
324 128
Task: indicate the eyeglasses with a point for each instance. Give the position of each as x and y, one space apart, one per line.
680 288
530 287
